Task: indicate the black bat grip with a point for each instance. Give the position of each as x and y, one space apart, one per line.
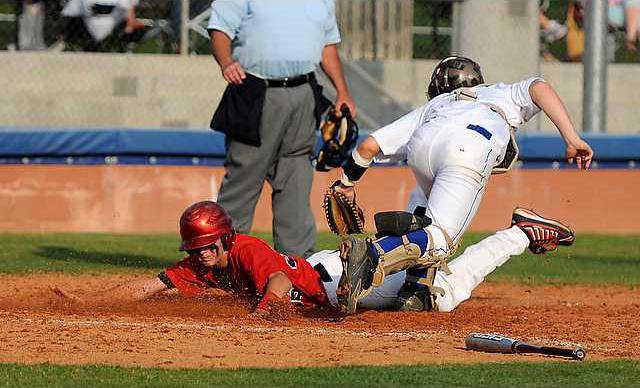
576 354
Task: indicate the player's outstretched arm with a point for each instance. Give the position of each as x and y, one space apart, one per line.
546 98
128 292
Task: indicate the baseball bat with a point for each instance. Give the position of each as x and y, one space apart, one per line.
495 343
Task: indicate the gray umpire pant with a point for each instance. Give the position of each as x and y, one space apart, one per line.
287 134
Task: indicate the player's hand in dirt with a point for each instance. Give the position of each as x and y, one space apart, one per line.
580 151
261 314
273 308
66 295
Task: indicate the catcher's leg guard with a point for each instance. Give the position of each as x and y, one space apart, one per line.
421 248
422 253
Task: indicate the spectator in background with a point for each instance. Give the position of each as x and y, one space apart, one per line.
623 15
575 31
551 29
91 22
31 25
268 52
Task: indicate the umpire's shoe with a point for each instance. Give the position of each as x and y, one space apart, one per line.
358 266
544 234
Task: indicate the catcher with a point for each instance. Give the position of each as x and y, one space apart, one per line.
453 144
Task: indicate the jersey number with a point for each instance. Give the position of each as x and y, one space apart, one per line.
295 295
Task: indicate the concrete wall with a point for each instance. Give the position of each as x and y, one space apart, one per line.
407 81
156 91
108 90
504 39
146 199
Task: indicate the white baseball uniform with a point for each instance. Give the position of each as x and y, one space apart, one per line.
452 145
467 271
99 25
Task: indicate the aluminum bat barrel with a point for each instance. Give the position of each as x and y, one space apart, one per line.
492 343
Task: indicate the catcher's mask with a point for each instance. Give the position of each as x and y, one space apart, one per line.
452 73
339 136
203 223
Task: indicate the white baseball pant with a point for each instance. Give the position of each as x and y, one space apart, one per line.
468 271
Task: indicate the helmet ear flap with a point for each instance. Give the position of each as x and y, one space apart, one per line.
432 90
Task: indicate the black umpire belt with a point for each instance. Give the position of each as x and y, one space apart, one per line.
289 82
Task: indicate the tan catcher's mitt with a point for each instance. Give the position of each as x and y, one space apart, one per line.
343 215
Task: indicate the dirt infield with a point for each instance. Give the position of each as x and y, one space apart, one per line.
215 330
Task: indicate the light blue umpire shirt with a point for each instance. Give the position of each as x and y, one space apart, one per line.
276 39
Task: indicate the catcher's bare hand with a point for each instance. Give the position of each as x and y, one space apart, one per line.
233 73
348 191
580 151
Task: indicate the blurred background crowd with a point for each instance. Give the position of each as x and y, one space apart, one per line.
154 26
63 62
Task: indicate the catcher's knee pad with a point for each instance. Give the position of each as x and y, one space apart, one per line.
414 249
398 223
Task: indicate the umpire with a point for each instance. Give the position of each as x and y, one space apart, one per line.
268 52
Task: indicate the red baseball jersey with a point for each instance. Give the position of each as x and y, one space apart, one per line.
251 262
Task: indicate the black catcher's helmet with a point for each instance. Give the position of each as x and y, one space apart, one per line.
452 73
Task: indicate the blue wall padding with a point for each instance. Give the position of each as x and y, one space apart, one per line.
47 144
67 142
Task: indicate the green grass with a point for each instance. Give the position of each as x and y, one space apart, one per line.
29 253
548 374
85 252
592 260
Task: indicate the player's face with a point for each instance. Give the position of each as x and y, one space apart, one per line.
211 256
